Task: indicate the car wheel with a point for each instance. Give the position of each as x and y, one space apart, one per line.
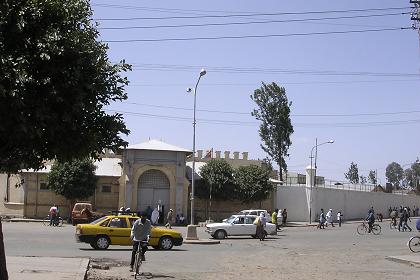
220 234
166 243
102 242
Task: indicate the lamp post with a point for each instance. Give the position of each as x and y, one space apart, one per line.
313 172
202 73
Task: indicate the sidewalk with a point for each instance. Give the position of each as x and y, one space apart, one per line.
46 268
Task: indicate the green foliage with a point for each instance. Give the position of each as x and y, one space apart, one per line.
74 179
217 175
252 182
408 179
372 177
363 179
412 176
353 174
276 127
394 173
55 80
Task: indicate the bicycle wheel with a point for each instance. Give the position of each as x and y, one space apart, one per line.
46 221
376 229
362 229
414 244
137 264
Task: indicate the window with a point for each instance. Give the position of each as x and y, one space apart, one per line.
43 186
118 223
106 189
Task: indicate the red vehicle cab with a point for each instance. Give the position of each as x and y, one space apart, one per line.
79 217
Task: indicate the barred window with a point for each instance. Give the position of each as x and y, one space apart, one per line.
106 189
43 186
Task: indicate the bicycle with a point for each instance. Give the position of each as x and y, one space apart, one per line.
364 228
139 258
414 244
58 222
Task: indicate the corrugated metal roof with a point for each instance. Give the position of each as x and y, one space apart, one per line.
157 145
105 167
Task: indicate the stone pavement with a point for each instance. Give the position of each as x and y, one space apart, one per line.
46 268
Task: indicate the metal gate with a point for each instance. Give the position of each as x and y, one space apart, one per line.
153 188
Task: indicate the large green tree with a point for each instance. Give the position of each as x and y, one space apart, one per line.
252 182
217 180
353 174
372 177
394 173
73 179
55 80
276 127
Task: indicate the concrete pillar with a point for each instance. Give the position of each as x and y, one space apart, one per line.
218 154
245 155
310 173
227 154
235 155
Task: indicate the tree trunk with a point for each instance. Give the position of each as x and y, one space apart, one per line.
3 267
280 171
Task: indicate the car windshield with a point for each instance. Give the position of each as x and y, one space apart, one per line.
98 220
230 219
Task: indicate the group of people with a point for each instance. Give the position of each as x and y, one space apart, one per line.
277 215
155 217
403 213
325 219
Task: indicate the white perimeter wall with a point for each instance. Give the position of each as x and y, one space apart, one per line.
353 204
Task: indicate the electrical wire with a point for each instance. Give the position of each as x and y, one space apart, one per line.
293 115
256 36
246 123
252 14
248 22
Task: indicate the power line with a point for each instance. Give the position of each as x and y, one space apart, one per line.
249 22
252 14
245 123
256 36
293 115
229 69
283 83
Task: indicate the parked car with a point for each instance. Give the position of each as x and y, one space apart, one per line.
255 212
238 225
116 230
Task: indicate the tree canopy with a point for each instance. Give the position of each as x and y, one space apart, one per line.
252 182
73 179
217 175
55 79
276 127
353 174
372 177
394 173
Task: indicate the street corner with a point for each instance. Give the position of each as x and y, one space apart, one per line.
413 260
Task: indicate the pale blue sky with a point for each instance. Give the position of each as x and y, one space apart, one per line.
332 100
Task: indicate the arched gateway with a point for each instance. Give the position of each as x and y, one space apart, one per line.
153 188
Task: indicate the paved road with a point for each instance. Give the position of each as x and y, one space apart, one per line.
296 253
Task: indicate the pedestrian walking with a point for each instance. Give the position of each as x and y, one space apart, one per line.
321 220
339 216
406 217
329 217
284 219
169 219
280 217
274 217
154 217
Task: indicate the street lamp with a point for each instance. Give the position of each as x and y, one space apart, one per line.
313 173
202 73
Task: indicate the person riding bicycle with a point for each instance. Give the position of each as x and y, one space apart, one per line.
393 216
53 214
140 233
370 219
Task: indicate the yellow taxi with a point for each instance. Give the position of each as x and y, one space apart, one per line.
116 230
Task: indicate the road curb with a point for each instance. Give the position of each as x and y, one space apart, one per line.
84 267
409 259
202 242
